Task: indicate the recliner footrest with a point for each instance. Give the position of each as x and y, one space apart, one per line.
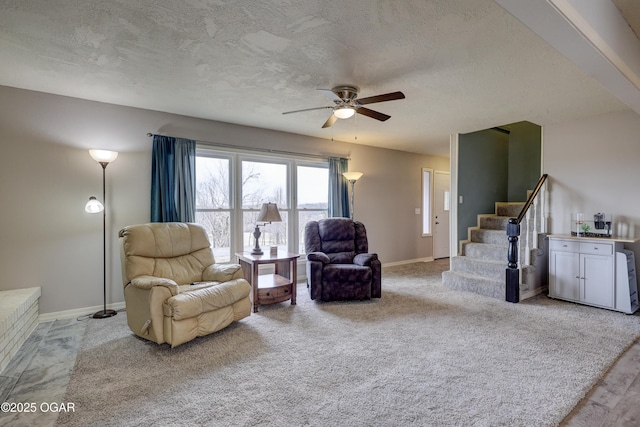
193 303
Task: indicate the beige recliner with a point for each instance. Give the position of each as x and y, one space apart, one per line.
173 289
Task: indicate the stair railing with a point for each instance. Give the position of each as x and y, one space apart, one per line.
513 233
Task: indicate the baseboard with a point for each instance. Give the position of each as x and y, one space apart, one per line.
77 312
408 261
531 294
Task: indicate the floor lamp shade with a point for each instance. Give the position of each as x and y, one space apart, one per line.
104 157
93 205
352 177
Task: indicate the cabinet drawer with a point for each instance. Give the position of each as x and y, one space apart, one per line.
596 248
274 295
277 292
564 245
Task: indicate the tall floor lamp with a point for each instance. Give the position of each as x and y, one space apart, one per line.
104 157
352 177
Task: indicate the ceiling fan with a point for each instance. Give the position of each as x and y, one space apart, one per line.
347 104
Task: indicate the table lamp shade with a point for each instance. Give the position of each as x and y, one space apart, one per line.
269 213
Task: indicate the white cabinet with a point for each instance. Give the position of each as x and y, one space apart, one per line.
583 270
564 275
597 281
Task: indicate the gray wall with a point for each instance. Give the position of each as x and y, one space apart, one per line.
47 175
593 167
482 175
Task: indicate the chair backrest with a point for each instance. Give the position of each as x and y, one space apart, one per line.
340 238
174 250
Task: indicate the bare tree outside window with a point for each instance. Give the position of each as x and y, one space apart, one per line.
313 197
231 188
264 182
213 203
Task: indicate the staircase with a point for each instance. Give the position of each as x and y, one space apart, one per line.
481 267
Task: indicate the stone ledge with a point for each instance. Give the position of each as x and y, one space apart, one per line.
18 318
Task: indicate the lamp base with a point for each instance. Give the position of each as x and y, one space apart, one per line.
103 314
256 249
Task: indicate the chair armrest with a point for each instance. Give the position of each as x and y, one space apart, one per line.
314 278
365 259
148 282
222 273
318 256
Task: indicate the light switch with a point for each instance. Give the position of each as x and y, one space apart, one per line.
460 199
417 211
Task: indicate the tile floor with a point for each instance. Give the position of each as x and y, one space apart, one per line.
40 372
615 400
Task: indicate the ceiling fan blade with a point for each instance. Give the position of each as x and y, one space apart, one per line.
330 94
306 109
373 114
330 121
380 98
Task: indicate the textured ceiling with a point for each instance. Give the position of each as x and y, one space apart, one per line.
463 65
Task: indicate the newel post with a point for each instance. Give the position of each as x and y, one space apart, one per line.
513 275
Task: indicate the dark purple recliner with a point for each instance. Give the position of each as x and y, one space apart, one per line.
338 265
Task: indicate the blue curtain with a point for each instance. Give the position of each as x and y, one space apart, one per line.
173 179
338 188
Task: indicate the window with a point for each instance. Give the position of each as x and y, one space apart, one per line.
264 182
213 203
231 188
426 201
313 197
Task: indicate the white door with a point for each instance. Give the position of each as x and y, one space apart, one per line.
441 208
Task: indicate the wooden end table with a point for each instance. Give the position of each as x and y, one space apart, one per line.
271 288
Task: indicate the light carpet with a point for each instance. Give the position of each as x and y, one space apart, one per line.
422 355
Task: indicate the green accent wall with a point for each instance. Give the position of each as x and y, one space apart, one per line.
483 160
524 159
496 166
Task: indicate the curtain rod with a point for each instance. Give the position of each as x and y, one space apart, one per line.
262 150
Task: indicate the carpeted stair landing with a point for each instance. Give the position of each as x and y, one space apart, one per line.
481 267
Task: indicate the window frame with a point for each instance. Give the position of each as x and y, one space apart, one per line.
240 207
308 164
230 208
427 202
236 208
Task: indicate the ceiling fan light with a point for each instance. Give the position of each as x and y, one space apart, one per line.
344 112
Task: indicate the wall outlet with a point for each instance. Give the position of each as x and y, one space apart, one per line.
417 211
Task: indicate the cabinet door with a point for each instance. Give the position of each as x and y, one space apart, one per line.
564 275
597 278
